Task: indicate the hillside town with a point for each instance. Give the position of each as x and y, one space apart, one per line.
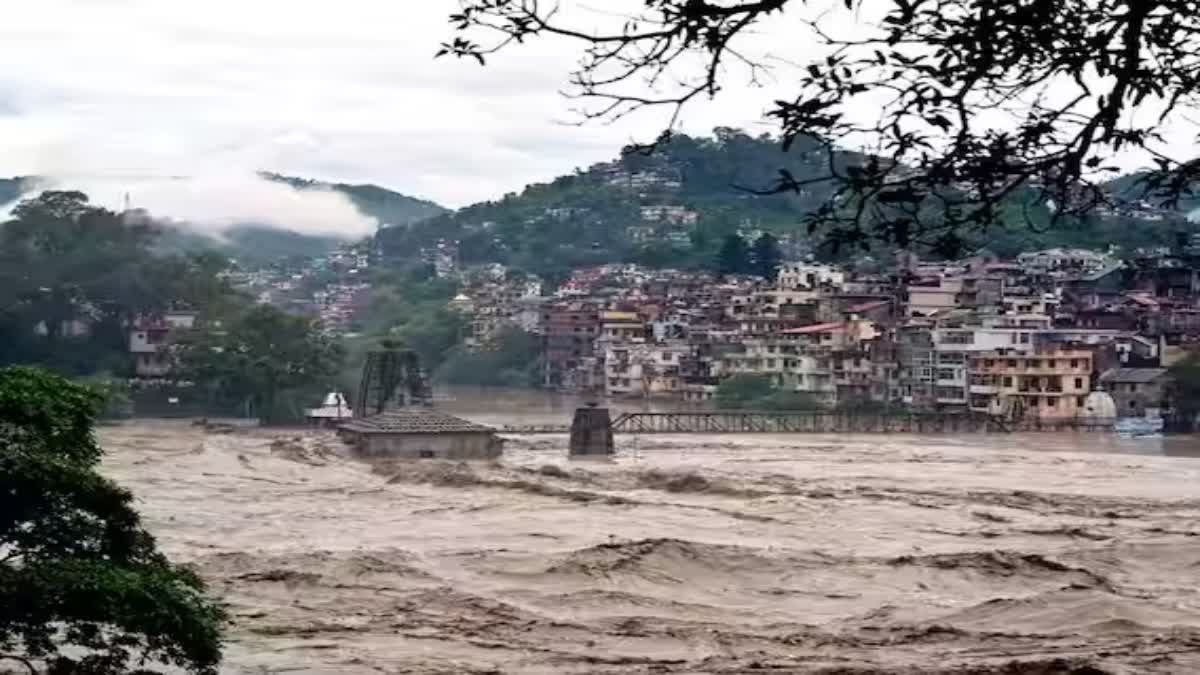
1030 338
1048 337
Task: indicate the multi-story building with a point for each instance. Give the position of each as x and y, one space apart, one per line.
644 369
569 333
621 326
150 338
1049 382
804 276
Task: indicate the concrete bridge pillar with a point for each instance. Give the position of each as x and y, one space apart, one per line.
591 432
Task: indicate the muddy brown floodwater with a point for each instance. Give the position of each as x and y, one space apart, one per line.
687 554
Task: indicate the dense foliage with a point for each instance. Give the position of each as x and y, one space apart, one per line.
73 276
83 588
262 362
758 392
510 360
1185 391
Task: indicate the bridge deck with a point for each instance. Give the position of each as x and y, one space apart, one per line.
772 422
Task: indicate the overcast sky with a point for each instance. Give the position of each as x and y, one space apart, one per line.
115 95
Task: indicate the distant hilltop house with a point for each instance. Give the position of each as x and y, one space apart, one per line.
809 276
149 337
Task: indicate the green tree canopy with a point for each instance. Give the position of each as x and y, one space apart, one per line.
510 359
758 392
73 276
734 256
765 256
264 358
83 588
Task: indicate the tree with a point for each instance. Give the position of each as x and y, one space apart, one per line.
66 264
510 359
1184 391
741 391
83 588
264 359
978 105
734 257
758 392
765 257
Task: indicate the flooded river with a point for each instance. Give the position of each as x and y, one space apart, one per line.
686 554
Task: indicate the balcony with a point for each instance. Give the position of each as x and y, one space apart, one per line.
985 389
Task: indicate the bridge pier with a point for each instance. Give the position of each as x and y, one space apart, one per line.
591 432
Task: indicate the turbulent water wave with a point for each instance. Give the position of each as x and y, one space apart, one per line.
696 555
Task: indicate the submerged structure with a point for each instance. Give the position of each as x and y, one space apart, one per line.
392 417
421 434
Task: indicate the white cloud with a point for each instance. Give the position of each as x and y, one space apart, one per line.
125 92
118 94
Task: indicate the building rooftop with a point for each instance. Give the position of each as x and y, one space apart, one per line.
414 421
815 328
1132 375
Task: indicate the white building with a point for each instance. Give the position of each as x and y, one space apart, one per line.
809 276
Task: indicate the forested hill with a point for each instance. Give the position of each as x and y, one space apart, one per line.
671 206
674 207
388 207
257 244
10 189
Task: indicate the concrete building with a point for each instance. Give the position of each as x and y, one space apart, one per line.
149 338
421 434
1049 383
925 298
1136 392
622 326
644 369
803 276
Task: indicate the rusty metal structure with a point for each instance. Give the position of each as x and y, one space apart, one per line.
392 378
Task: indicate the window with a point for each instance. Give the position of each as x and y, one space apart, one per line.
1074 363
1008 380
1035 363
1033 402
958 338
987 363
1079 401
1024 338
1051 402
946 373
1079 383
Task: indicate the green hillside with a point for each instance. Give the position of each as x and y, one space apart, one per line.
607 213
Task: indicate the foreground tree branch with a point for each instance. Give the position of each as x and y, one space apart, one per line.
980 111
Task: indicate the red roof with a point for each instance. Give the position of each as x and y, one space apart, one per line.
868 306
815 328
1143 299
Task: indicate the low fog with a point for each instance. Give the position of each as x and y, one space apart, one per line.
212 204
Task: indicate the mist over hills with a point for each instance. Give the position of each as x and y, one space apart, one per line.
669 208
254 243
